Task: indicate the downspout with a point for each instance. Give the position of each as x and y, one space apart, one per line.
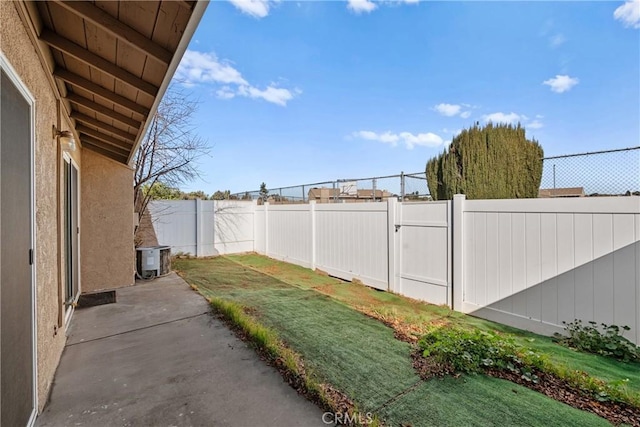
59 219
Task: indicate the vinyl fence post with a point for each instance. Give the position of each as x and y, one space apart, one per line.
266 228
457 224
254 205
312 211
198 228
392 204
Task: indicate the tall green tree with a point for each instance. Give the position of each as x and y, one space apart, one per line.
264 193
489 162
192 195
161 191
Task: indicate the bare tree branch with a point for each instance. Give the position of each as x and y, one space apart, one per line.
169 151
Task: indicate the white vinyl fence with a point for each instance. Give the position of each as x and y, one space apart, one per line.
204 227
537 262
528 263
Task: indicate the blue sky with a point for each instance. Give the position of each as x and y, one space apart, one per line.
299 92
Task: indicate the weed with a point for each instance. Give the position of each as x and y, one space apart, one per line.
472 351
607 342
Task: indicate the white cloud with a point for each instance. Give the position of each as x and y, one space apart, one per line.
361 6
409 139
628 14
423 139
557 40
502 117
451 110
200 68
448 110
273 94
536 124
387 137
513 118
225 93
255 8
561 83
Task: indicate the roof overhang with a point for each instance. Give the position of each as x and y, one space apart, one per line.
111 62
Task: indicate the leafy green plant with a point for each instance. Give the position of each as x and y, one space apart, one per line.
606 341
474 350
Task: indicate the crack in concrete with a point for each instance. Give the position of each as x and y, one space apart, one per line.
137 329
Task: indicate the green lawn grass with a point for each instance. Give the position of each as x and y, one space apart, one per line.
412 311
360 356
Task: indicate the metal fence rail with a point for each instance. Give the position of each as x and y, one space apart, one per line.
600 173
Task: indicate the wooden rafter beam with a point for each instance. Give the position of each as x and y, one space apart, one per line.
101 109
81 82
83 118
101 138
94 61
185 4
101 150
116 28
99 143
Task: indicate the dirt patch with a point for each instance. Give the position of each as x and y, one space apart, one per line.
271 269
403 331
326 289
549 385
556 388
322 273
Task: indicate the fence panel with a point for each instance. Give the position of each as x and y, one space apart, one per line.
234 226
352 242
175 222
204 227
289 234
536 263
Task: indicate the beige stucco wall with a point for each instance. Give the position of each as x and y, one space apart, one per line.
107 259
17 47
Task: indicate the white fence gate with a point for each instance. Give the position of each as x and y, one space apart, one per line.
423 245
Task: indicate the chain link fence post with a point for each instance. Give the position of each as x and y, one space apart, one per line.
373 192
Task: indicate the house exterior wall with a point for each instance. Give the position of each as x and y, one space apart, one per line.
106 223
20 52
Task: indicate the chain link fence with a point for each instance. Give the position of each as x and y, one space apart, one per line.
375 189
601 173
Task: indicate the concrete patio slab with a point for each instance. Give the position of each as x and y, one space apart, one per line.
158 358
